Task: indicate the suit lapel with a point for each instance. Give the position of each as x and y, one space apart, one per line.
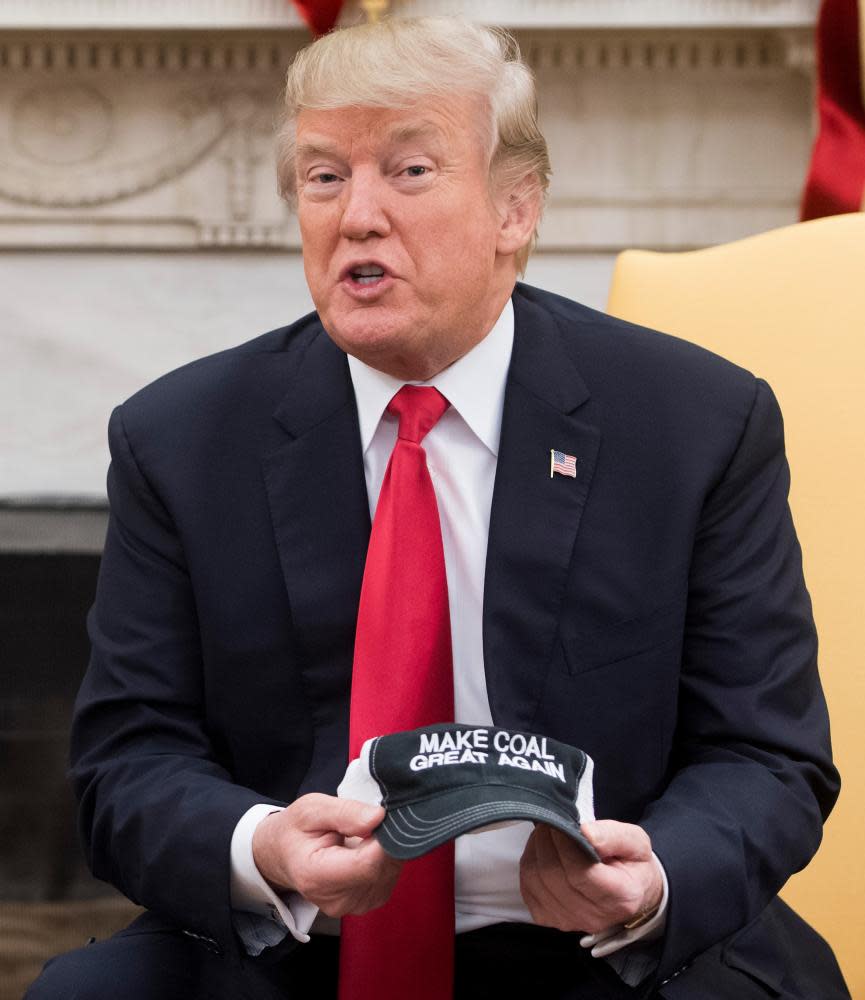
320 513
319 507
535 518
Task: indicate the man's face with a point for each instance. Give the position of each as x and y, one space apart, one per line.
401 239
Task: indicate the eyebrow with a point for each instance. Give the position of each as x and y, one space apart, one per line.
414 130
317 147
398 135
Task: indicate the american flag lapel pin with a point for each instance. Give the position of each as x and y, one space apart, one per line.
565 465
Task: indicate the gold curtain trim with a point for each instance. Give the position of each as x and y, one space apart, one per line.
374 9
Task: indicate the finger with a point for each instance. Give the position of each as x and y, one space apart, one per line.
544 885
597 896
567 866
534 893
351 880
529 852
545 909
370 878
571 856
316 813
619 891
548 865
363 864
616 887
618 841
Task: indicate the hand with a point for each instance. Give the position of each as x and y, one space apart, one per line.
564 889
322 847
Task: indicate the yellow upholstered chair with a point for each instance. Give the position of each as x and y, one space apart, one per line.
789 305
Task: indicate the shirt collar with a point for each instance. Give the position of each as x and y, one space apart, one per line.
474 385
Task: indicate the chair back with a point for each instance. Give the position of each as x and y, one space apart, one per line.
789 305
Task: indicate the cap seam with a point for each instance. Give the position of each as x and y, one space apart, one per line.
374 772
583 762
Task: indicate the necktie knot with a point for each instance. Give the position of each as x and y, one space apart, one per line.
419 409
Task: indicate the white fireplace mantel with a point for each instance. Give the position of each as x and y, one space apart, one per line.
140 226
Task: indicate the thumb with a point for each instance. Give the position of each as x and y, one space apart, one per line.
618 841
316 813
352 818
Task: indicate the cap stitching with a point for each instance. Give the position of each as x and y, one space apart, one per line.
483 784
372 770
470 810
475 812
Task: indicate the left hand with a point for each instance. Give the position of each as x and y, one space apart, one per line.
564 889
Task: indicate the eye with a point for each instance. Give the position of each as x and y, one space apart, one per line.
324 178
417 170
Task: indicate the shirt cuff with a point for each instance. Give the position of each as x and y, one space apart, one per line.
262 917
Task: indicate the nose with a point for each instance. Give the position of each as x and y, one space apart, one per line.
364 209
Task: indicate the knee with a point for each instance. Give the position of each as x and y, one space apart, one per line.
73 976
131 966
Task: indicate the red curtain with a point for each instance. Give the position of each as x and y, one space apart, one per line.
836 178
320 15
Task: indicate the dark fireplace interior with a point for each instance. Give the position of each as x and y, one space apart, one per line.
44 599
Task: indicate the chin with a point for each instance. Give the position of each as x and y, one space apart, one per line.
367 338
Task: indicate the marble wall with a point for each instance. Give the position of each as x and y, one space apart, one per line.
139 224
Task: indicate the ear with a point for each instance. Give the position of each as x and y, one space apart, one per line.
520 208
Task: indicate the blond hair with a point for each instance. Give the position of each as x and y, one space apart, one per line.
394 63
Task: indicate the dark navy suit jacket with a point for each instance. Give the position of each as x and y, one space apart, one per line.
652 611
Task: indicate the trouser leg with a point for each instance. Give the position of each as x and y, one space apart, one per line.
499 963
506 961
133 965
144 962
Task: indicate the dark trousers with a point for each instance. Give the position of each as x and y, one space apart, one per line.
500 962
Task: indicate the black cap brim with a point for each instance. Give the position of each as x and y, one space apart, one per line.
416 828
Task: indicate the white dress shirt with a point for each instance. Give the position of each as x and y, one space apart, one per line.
462 451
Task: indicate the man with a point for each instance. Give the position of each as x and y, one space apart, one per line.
646 604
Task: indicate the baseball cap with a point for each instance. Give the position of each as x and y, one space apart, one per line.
441 781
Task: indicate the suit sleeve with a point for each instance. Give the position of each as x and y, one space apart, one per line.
157 811
752 778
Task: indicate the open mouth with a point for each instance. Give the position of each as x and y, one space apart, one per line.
366 274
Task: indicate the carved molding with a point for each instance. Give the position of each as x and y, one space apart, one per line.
662 52
223 54
57 186
62 126
165 140
512 13
241 55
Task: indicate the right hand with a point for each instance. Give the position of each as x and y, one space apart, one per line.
323 848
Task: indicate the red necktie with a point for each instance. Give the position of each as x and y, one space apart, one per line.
403 678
